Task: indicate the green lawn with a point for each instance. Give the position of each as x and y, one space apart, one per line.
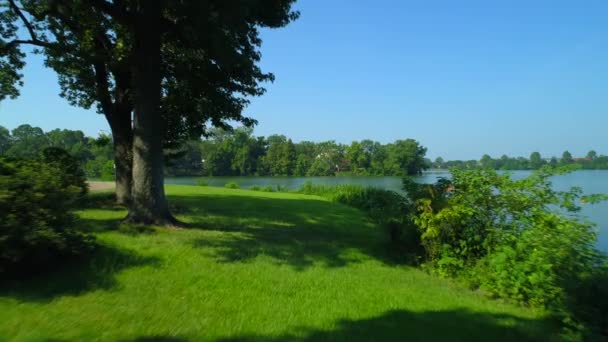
252 266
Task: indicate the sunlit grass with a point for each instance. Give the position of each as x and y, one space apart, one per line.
251 266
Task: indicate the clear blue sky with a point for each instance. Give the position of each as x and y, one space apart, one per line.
462 77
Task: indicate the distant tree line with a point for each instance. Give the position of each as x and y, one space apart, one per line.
231 153
94 154
240 153
591 161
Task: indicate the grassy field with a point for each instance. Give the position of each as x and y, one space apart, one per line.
252 266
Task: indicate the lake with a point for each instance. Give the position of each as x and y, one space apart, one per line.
591 181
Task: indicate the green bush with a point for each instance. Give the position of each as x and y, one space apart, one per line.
71 172
587 300
201 182
232 185
108 173
515 239
387 208
255 188
36 220
379 203
268 188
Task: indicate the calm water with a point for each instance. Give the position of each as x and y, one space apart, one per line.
591 181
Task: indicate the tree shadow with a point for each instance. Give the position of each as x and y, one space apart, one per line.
105 200
91 272
97 225
401 325
297 232
112 219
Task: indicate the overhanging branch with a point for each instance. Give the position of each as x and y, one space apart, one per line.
17 42
26 22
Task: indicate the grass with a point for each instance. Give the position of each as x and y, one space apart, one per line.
252 266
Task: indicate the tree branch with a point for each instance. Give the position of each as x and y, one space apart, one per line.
27 24
16 42
102 88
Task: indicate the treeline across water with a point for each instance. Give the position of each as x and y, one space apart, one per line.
591 161
231 153
240 153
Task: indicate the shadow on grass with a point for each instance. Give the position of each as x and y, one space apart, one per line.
97 225
107 202
455 325
156 338
92 272
297 232
100 200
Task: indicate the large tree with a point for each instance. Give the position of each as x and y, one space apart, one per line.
536 161
27 142
158 70
406 157
567 158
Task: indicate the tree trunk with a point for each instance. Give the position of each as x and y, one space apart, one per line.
122 136
148 203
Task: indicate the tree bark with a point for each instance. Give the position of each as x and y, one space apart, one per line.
148 202
122 137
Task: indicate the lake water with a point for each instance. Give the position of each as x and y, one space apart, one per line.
591 181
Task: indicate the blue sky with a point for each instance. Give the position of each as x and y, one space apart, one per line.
463 77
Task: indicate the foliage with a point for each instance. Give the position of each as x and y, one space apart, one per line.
70 170
230 153
406 158
232 185
255 188
388 208
587 300
27 142
239 153
108 172
592 161
190 64
36 203
515 239
268 188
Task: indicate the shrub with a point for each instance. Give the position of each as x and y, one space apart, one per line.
71 173
108 173
379 203
36 222
201 182
587 300
232 185
255 188
516 239
388 208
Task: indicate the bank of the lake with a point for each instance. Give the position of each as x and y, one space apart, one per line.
590 181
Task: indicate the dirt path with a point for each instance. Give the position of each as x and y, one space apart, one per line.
96 186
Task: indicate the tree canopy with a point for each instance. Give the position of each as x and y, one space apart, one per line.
159 71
